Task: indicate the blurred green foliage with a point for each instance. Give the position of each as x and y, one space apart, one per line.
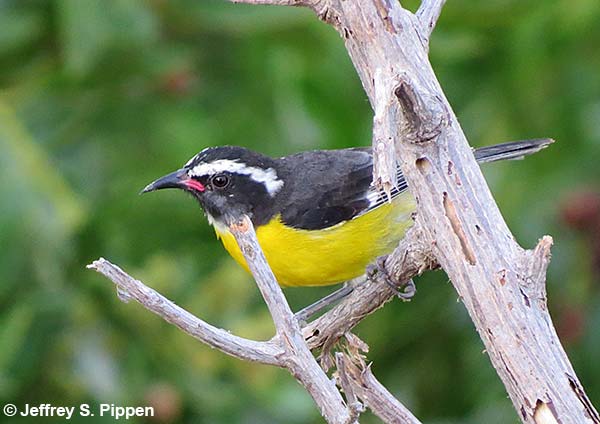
99 97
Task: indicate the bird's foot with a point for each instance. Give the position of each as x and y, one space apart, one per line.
377 270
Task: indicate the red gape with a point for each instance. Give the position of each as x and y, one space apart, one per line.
196 185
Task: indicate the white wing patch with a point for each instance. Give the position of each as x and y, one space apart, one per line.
377 198
268 177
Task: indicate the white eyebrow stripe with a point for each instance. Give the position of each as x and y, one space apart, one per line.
268 177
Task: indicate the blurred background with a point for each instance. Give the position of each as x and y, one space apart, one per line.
100 97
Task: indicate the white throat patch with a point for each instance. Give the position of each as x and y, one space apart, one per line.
267 177
218 225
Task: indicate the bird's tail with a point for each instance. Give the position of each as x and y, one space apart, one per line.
511 150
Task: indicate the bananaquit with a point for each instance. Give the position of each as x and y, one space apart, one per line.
318 218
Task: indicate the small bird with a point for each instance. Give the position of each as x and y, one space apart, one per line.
318 217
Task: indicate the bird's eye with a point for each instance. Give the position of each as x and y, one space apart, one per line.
220 181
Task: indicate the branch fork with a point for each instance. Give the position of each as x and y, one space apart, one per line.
288 348
458 226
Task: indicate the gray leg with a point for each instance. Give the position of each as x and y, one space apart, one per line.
305 314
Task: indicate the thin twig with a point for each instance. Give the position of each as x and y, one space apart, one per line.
428 14
356 407
359 379
276 2
283 317
408 260
288 349
297 357
264 352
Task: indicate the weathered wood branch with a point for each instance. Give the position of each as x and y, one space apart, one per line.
501 284
130 288
409 259
276 2
297 357
498 281
429 13
360 381
287 349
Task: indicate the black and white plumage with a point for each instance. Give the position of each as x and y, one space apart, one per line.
310 190
307 206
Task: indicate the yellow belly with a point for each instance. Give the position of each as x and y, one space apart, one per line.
330 256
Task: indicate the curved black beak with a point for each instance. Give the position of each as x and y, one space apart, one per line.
173 180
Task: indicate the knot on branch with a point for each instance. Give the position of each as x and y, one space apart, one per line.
533 280
328 14
424 113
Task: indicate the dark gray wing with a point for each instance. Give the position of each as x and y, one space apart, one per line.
326 187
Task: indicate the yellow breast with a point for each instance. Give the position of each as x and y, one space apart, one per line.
329 256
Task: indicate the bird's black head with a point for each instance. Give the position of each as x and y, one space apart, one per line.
228 182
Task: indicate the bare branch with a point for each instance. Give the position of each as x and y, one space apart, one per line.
409 259
355 405
384 154
276 2
297 357
283 317
288 349
461 227
428 14
263 352
359 379
461 221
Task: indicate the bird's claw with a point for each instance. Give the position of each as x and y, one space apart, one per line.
377 270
